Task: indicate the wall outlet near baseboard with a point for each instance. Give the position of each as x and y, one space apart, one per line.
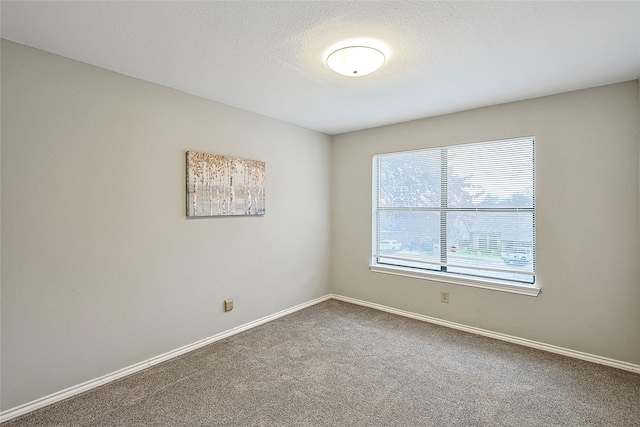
228 304
444 297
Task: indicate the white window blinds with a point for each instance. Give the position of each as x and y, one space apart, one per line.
466 210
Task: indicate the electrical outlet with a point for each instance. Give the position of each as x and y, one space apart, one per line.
228 304
444 297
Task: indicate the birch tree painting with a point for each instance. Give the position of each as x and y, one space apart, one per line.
222 186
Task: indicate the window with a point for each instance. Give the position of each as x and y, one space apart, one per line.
464 211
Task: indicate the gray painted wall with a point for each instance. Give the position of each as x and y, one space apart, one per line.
587 211
100 267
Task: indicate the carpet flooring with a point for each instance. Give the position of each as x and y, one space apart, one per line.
338 364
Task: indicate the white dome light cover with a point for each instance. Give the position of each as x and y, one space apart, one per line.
356 61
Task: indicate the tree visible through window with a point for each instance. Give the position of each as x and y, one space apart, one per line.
465 209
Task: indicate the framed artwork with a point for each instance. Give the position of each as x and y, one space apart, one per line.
224 186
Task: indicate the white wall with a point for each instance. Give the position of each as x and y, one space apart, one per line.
587 221
100 267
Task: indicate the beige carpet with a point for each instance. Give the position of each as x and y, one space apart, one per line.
337 364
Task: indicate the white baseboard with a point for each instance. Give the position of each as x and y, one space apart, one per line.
503 337
81 388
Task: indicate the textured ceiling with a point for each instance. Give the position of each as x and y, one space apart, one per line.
269 57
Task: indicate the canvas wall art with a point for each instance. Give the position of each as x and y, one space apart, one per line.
224 186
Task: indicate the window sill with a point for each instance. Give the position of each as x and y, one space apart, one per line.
494 285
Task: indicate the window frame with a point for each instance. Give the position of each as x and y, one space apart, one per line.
442 275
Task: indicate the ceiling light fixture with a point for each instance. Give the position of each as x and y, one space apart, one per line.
355 61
